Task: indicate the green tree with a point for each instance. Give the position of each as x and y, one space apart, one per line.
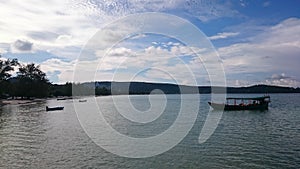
31 81
61 89
102 91
6 66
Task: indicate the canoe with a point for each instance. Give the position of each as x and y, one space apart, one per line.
54 108
61 99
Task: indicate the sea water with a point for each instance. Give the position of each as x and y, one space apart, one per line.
30 137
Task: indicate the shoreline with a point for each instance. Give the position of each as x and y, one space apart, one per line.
4 102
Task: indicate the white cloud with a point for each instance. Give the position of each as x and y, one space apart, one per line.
223 35
282 80
139 36
239 83
275 50
204 10
65 69
122 51
125 64
46 24
3 51
209 10
157 63
266 4
279 76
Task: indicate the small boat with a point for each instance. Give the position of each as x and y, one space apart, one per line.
54 108
83 100
235 103
61 99
64 98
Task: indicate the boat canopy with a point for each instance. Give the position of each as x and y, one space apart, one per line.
248 98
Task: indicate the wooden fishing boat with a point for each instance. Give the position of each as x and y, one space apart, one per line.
235 103
54 108
61 99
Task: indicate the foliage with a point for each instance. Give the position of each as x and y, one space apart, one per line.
61 90
6 66
31 81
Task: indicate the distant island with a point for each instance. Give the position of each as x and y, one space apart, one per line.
140 88
30 82
146 88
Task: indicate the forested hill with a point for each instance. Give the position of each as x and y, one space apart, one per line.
263 89
146 88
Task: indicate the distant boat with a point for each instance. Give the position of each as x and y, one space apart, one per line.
61 98
83 100
236 103
64 98
54 108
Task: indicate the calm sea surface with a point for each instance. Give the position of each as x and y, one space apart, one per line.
30 137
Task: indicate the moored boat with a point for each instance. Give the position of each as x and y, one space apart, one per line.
64 98
61 98
83 100
54 108
235 103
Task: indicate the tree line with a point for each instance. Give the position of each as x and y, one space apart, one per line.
30 81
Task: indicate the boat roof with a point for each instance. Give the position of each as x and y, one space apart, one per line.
247 98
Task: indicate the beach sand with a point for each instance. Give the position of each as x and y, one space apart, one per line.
15 102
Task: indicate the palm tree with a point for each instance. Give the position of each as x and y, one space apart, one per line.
32 82
32 72
6 66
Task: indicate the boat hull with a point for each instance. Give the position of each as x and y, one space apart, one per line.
54 108
217 106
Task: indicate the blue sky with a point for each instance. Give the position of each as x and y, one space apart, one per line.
258 42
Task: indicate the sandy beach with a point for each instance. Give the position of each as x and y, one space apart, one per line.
16 102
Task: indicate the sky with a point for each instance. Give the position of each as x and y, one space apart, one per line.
257 42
